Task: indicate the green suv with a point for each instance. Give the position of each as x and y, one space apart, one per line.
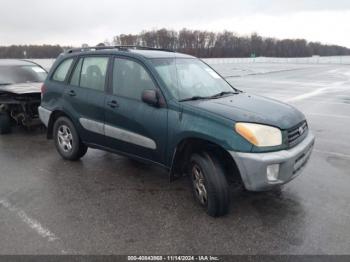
173 110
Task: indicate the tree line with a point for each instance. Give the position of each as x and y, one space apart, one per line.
30 51
198 43
227 44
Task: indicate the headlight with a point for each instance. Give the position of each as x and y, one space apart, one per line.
260 135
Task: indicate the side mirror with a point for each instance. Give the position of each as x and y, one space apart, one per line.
151 97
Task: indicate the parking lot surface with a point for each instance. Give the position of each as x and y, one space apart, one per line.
108 204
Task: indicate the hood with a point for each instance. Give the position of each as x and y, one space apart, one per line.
245 107
23 88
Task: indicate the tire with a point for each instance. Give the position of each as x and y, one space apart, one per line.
5 123
209 184
67 141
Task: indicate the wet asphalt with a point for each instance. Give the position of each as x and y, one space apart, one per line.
108 204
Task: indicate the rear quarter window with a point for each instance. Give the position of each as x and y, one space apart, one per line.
61 71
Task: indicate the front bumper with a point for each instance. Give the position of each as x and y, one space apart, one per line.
253 166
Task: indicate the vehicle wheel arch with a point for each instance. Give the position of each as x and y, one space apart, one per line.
190 145
53 117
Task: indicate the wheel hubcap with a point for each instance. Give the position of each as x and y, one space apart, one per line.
199 184
65 138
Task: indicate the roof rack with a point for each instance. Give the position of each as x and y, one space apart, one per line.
119 47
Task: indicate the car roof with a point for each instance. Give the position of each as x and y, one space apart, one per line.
15 62
136 50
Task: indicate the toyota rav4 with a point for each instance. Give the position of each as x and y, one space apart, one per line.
173 110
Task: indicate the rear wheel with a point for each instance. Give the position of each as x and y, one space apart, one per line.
5 123
67 140
209 184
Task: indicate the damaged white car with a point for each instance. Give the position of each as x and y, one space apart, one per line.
20 93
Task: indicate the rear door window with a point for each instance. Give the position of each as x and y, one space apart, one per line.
75 79
90 72
93 73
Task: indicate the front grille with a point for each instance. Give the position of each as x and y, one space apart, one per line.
296 133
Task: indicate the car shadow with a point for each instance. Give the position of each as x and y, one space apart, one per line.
27 131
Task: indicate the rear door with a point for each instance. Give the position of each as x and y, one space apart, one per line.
131 125
85 97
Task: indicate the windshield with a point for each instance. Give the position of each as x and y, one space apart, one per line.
187 77
21 74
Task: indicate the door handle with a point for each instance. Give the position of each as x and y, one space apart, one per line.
113 104
72 93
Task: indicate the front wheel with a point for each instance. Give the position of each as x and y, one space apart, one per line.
209 184
67 140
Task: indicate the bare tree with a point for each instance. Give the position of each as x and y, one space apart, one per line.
198 43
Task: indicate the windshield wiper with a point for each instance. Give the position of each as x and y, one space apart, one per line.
194 98
224 93
210 97
5 84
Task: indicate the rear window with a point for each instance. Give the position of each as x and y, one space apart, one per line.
21 74
62 70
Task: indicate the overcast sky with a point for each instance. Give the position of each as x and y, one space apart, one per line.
73 22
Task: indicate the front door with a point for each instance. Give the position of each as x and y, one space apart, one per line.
132 126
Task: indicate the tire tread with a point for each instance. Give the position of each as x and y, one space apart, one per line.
217 186
79 148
